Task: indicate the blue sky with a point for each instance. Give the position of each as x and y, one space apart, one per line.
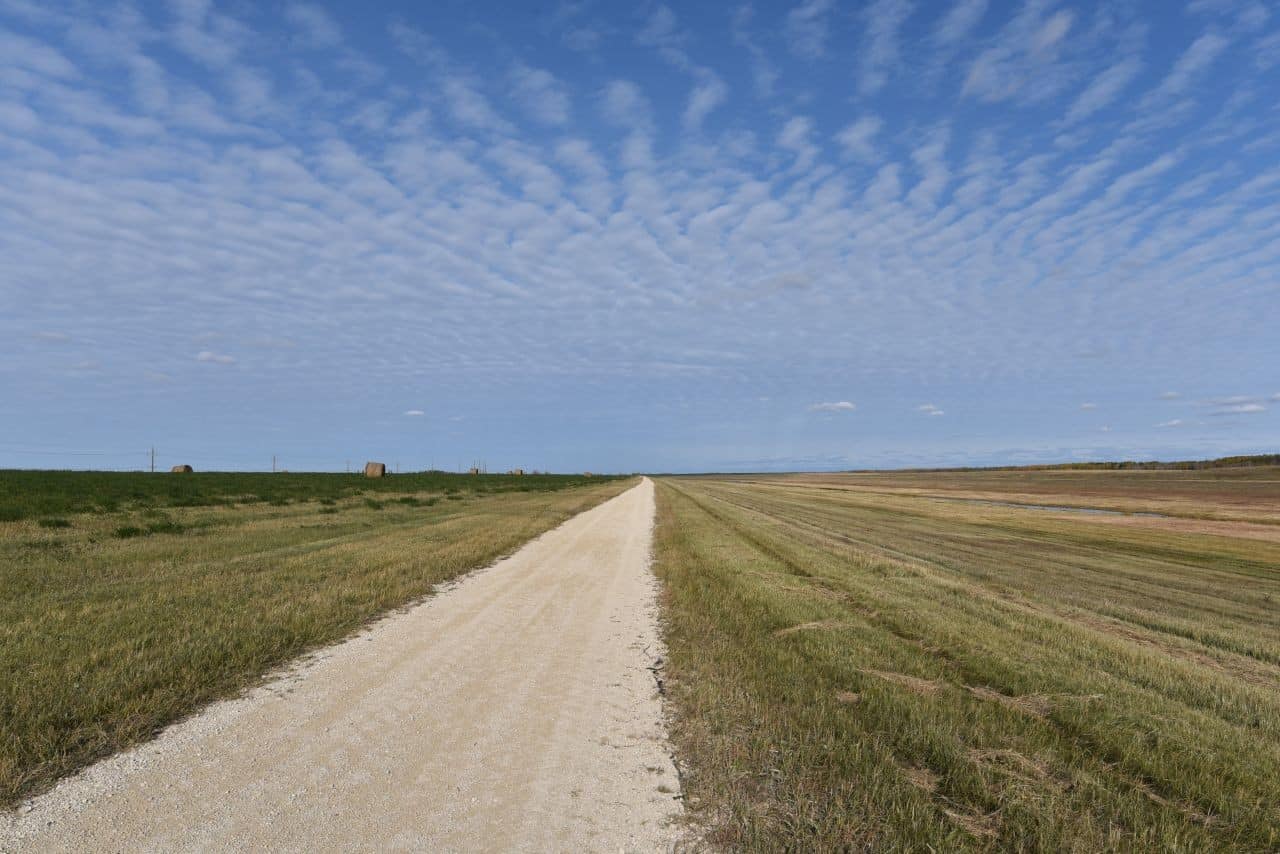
652 237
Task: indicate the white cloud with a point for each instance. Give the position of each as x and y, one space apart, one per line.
858 139
880 50
470 107
1198 57
316 28
1024 61
708 93
958 23
929 409
1088 406
837 406
1240 409
625 104
540 95
1176 422
53 336
214 358
806 28
415 413
1104 89
21 52
1170 395
763 72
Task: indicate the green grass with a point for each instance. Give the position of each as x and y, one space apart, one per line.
129 620
27 494
855 670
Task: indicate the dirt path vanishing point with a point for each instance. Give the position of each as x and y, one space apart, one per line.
514 710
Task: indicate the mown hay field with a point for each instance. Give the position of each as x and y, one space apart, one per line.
174 590
907 662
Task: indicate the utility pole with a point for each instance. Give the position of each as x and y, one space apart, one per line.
153 460
273 463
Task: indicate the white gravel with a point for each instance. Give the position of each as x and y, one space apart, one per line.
513 711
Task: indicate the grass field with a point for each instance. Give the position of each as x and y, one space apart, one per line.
129 600
45 494
899 662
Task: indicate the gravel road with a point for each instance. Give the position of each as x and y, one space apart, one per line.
513 711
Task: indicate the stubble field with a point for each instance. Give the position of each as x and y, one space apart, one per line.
908 661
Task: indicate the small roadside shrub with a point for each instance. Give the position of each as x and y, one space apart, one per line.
328 502
409 500
54 523
165 526
373 505
124 532
328 510
453 496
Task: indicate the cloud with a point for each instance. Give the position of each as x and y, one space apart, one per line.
316 29
1170 395
52 336
415 413
29 54
838 406
929 409
1240 409
540 95
858 139
1197 58
958 23
1104 89
764 73
1023 63
1176 422
707 94
215 358
806 28
880 50
625 104
469 107
1088 406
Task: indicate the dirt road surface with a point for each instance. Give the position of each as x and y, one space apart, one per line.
514 710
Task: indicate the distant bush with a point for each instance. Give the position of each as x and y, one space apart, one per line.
54 523
373 505
165 526
124 532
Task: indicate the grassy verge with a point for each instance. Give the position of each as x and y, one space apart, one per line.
116 624
931 676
